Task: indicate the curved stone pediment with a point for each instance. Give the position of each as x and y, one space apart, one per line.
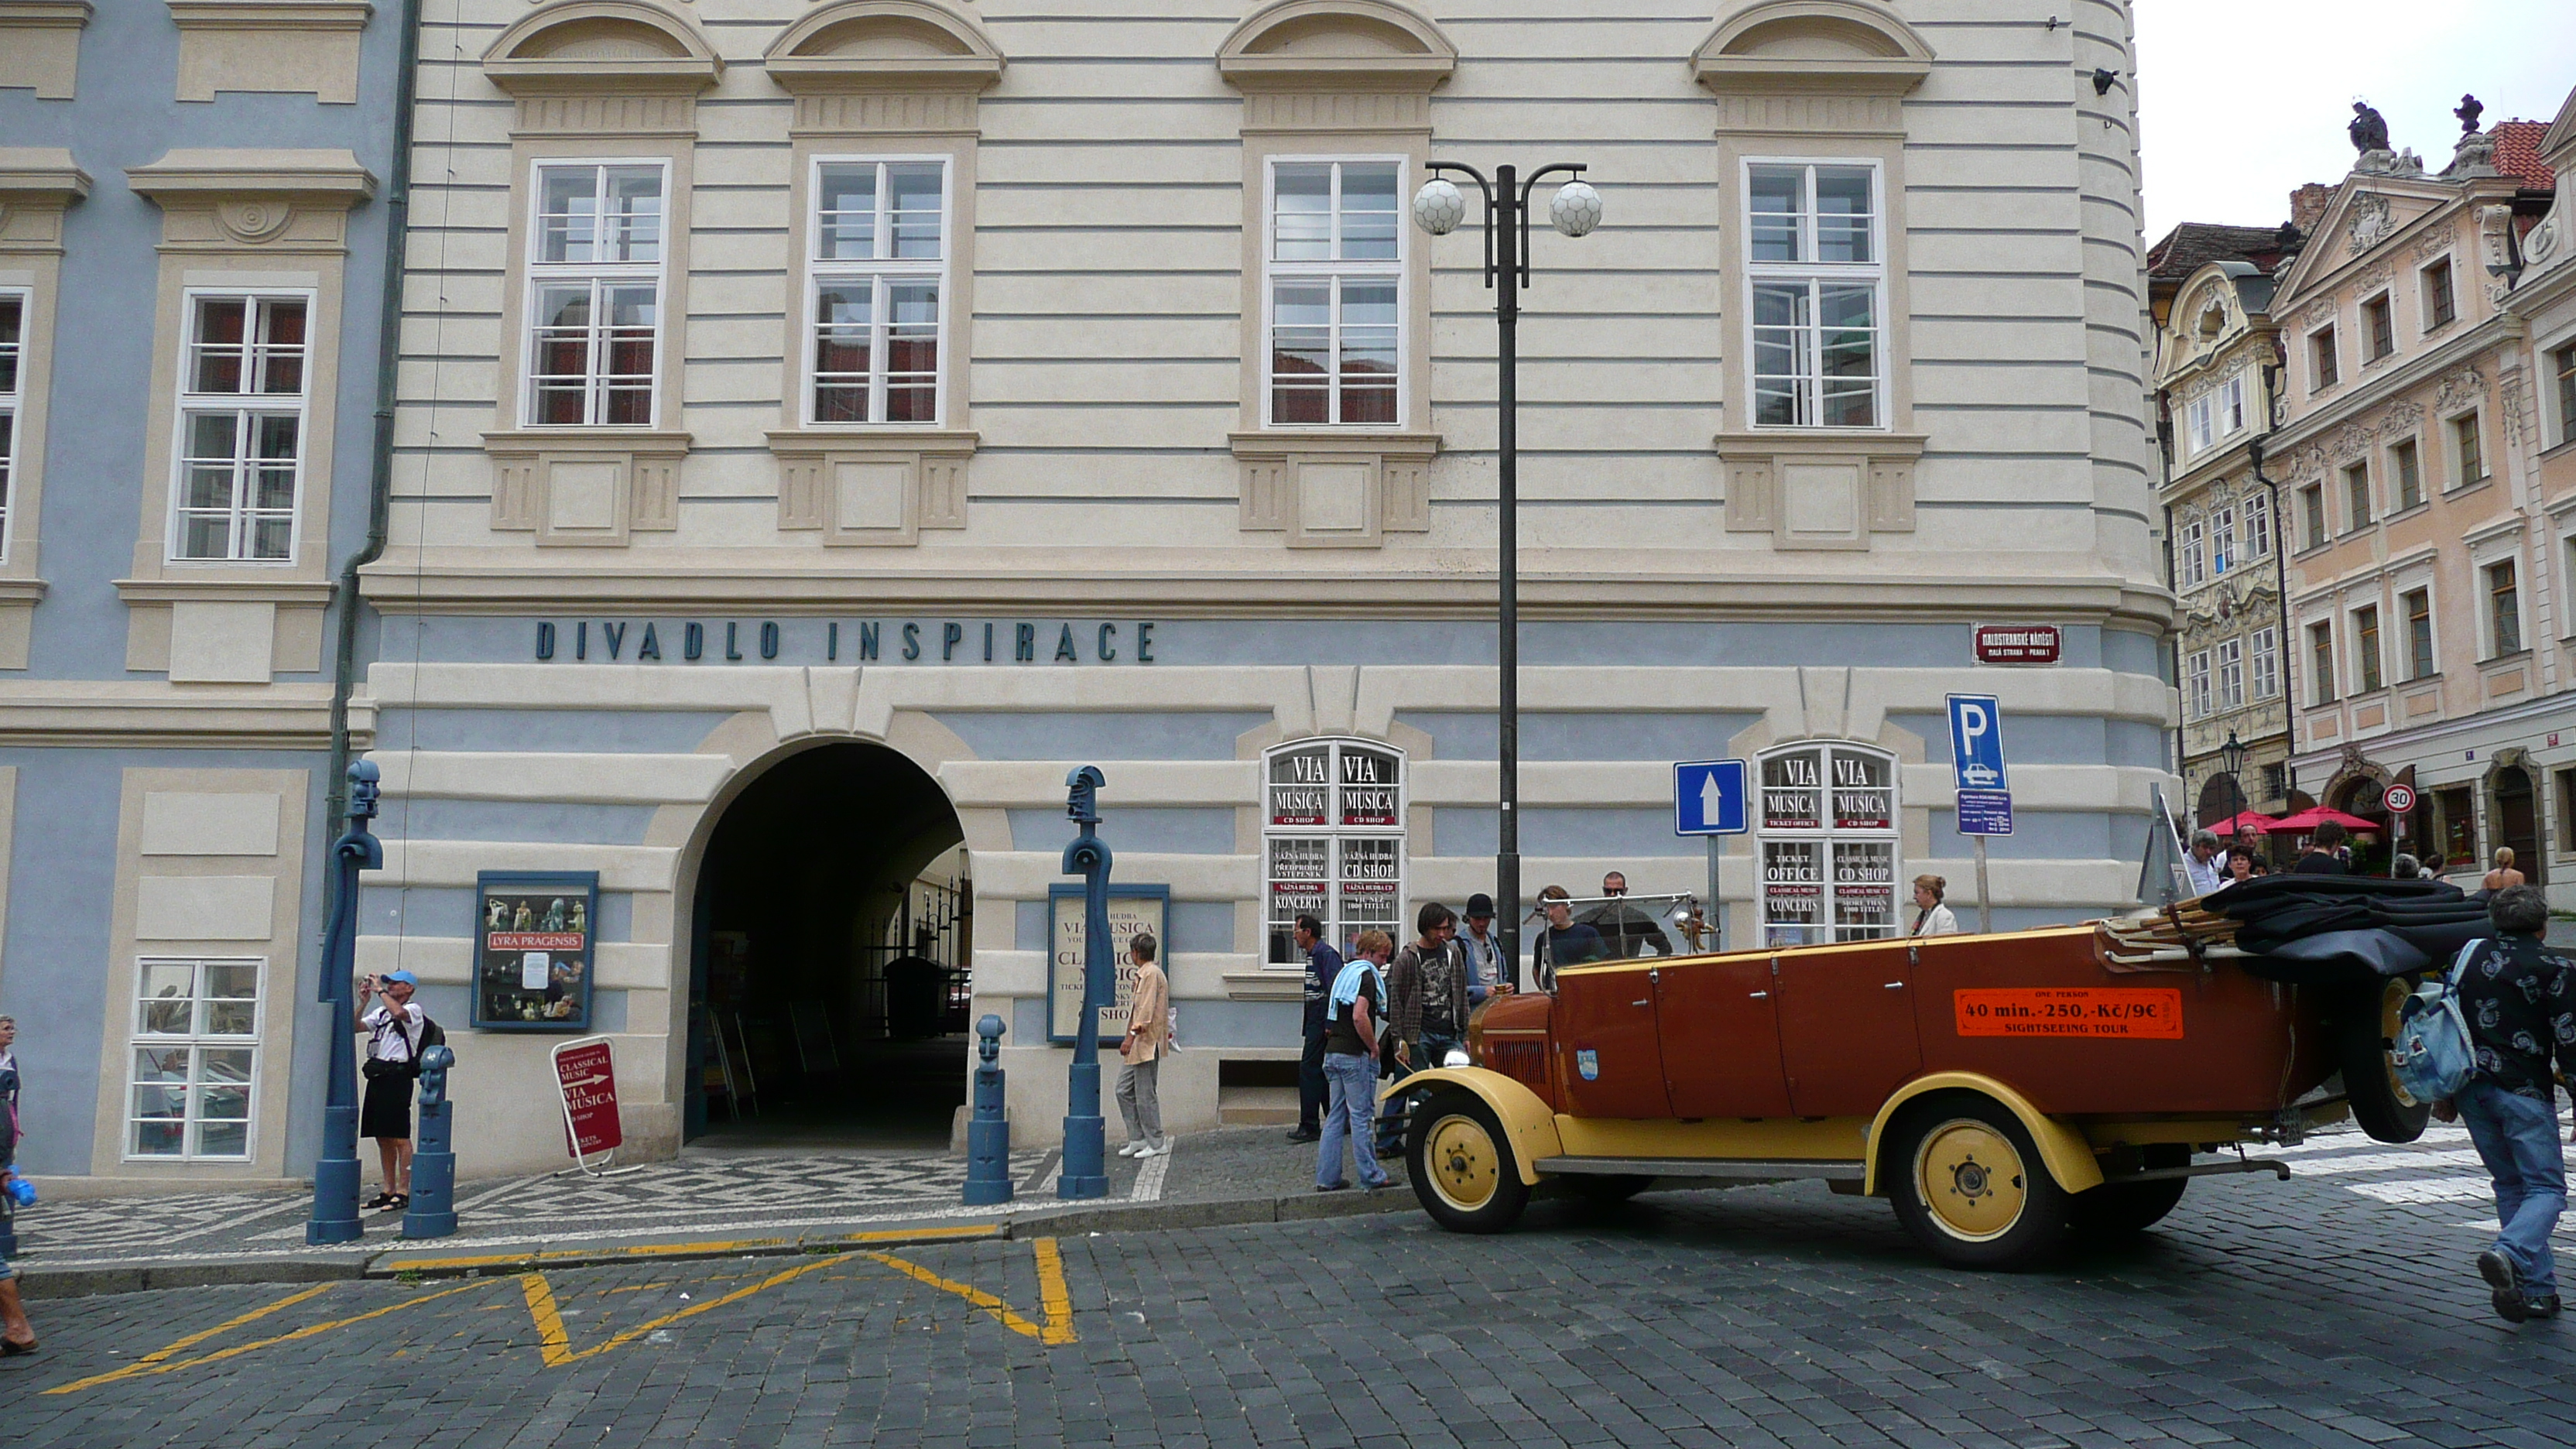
885 44
596 45
1848 46
1337 45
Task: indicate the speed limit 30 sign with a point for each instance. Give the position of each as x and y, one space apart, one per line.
2399 799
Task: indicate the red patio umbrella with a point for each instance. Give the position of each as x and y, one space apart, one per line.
2308 820
2252 820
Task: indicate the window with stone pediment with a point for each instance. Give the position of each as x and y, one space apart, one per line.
2200 424
1334 254
2222 540
2263 660
880 257
2229 667
1816 272
2191 554
242 398
2196 696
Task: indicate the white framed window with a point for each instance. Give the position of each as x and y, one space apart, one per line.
2367 666
243 387
1816 276
2222 541
2231 674
595 255
2191 554
1332 842
2231 406
2196 700
195 1058
2200 423
2504 608
2258 526
13 356
1830 848
1333 290
879 248
2265 660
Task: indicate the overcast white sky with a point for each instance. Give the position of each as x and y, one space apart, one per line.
2241 100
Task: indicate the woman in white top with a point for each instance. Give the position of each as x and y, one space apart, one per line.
1931 918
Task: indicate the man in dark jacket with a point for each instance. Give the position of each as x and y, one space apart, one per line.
1426 1010
2520 1000
1323 963
2320 858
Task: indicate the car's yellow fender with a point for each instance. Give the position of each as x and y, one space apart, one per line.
2062 1149
1529 1125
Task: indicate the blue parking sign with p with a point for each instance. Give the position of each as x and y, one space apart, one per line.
1708 797
1977 742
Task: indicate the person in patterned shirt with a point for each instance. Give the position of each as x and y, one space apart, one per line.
2520 999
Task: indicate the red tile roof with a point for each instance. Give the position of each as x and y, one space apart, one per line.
2518 153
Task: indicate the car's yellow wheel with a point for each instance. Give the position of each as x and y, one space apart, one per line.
1462 1164
1971 1178
2364 1023
1968 1183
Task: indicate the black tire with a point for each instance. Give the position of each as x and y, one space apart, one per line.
2117 1210
1969 1186
1462 1165
2365 1020
1605 1189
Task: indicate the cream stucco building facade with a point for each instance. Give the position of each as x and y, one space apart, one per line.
824 424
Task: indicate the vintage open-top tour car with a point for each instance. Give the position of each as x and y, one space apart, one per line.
2001 1090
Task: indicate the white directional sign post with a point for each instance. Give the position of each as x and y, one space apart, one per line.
1985 793
1709 798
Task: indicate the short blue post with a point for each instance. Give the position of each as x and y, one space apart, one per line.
335 1173
988 1134
432 1213
1086 1150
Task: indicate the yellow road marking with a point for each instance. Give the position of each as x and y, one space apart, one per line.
149 1365
557 1347
673 1250
1058 1328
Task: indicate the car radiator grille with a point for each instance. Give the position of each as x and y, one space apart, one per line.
1524 1061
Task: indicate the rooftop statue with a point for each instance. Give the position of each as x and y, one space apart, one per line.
2468 111
2368 130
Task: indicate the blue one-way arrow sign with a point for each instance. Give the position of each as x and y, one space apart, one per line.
1708 797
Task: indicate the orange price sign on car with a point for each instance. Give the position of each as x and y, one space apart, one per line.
2151 1013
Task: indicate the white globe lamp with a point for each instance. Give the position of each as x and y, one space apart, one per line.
1438 207
1575 210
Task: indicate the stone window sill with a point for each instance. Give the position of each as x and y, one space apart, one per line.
588 487
878 486
1819 490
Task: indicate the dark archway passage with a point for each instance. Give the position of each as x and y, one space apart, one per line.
832 935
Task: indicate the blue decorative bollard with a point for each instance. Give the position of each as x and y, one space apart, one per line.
335 1172
432 1213
988 1134
1086 1150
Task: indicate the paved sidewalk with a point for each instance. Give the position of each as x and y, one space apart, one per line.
703 1203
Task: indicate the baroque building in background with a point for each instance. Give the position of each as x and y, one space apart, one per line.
2427 588
2215 378
192 260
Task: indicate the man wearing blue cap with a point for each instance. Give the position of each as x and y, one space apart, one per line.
393 1039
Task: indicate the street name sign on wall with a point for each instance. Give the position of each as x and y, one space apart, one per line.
1709 797
2019 643
587 1080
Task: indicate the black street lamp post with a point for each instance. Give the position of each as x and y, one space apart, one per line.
2233 753
1575 210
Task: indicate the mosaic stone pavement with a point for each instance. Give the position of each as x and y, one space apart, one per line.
732 1193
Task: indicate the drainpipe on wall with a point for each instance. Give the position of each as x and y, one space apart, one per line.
344 677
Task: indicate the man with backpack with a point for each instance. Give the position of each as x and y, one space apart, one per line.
397 1033
2519 1000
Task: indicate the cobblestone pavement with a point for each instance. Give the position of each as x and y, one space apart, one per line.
2338 1308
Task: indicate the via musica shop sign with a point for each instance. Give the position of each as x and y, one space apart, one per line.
845 641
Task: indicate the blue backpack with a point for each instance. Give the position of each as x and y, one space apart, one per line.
2434 1055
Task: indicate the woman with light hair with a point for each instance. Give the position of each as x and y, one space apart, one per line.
2504 877
1931 918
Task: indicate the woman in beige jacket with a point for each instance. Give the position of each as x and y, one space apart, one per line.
1141 1050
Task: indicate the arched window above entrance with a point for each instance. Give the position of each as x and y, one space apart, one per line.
1830 848
1332 842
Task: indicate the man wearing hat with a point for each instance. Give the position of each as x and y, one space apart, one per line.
1487 972
393 1038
